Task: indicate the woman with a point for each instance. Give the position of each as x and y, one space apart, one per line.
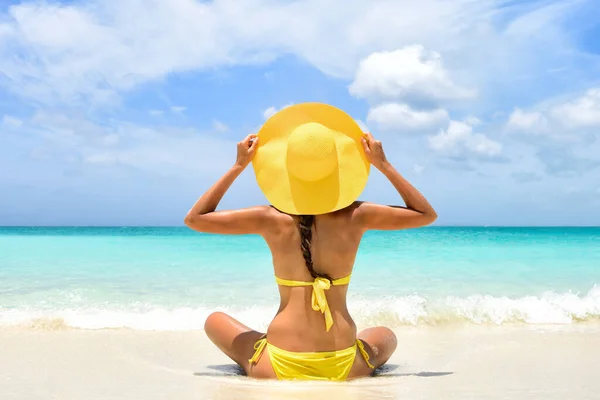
312 162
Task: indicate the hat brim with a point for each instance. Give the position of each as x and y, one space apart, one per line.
294 196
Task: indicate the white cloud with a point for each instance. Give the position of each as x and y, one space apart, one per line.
74 130
582 112
169 155
532 122
110 139
169 152
270 111
560 118
401 117
472 120
564 130
410 74
163 150
406 89
418 169
156 113
219 126
540 19
95 50
178 109
460 141
173 109
11 122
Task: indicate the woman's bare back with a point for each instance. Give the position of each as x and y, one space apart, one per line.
333 249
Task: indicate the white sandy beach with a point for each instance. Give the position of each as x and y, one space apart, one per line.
431 363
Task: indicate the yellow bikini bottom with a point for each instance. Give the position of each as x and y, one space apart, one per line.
324 365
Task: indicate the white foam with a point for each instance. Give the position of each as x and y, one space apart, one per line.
160 319
550 308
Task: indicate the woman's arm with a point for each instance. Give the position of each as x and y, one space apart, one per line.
418 212
202 216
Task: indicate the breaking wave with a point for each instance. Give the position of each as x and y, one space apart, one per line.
414 310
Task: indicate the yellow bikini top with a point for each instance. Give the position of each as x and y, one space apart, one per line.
319 300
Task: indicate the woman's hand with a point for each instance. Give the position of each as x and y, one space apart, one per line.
374 151
246 150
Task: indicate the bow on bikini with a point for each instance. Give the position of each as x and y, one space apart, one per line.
319 300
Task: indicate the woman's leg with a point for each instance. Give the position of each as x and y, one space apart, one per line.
237 341
380 343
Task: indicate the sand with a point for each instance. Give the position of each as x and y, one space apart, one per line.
431 363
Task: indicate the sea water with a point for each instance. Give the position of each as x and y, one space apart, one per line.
172 278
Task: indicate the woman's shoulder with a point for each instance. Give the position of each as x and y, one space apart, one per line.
277 216
348 211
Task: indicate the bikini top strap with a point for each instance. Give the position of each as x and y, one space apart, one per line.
337 282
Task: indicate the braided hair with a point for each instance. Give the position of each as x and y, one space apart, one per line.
305 226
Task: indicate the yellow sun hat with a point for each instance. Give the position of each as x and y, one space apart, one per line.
310 159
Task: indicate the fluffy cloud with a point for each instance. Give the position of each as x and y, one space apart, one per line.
402 118
560 119
178 109
11 122
581 112
95 50
219 126
168 155
418 168
410 74
564 132
532 122
270 111
406 89
74 130
459 141
161 150
472 120
156 113
91 52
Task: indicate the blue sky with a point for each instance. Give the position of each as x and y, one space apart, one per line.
123 113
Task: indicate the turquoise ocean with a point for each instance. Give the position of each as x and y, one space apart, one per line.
172 278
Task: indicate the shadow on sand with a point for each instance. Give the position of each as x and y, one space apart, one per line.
223 370
381 372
